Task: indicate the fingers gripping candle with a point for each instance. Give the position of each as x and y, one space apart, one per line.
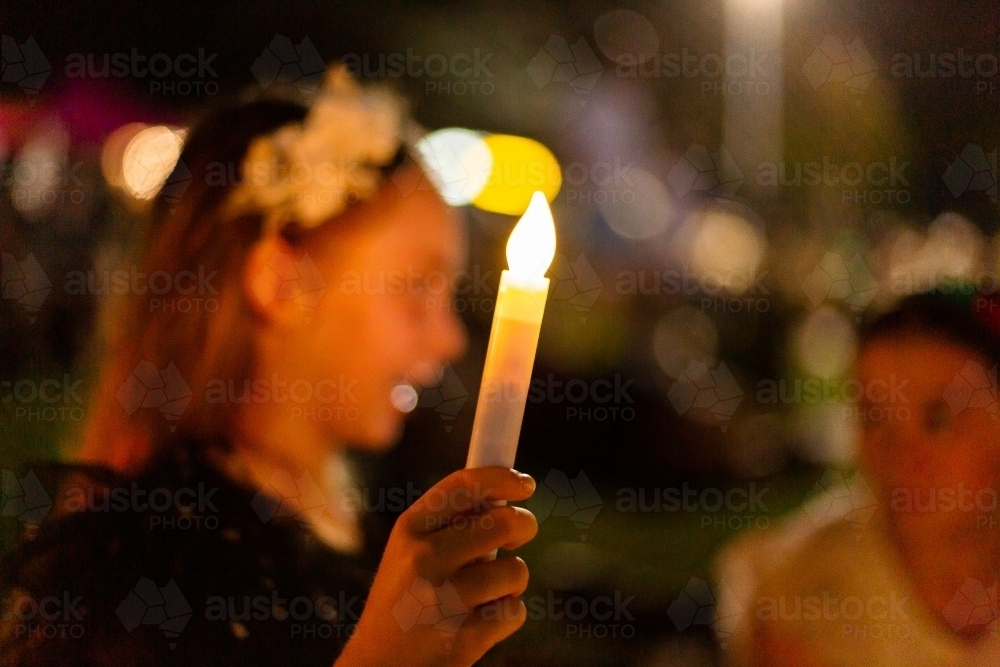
517 321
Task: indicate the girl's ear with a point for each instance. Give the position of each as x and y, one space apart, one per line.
271 281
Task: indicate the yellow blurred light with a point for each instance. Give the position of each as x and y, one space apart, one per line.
532 244
521 166
149 158
113 153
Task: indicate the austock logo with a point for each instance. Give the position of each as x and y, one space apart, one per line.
735 508
325 400
575 282
46 400
702 604
305 617
978 66
458 291
179 177
559 62
576 499
973 387
584 617
871 182
701 388
437 606
838 496
716 174
24 281
851 64
461 73
24 499
148 387
630 41
859 617
603 399
166 607
150 604
299 64
458 171
168 74
182 508
834 278
445 395
974 604
285 496
182 291
24 64
974 170
291 278
877 400
834 62
46 617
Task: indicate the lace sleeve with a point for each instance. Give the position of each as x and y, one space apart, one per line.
47 576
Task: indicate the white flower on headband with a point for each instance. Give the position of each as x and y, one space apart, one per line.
310 171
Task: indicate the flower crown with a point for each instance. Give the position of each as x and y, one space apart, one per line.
309 171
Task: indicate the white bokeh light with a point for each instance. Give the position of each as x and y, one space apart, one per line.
639 208
460 163
149 158
113 153
404 397
951 250
38 172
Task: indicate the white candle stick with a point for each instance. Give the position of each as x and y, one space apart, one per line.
517 320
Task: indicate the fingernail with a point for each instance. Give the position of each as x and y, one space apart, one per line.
528 481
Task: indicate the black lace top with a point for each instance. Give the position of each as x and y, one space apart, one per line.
179 566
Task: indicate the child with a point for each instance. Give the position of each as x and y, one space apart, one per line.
226 535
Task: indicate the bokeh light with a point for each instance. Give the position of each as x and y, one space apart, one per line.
827 434
520 167
113 153
727 250
459 160
404 397
626 37
149 158
683 335
826 343
38 171
952 249
637 209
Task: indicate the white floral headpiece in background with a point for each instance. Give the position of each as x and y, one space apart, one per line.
309 171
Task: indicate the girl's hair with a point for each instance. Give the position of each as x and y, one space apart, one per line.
157 356
961 316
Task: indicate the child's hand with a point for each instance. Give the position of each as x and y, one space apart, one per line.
434 559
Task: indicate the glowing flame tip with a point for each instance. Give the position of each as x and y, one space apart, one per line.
532 244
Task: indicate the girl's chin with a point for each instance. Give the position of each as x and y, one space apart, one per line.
382 434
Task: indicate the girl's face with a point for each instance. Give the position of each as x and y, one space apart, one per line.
386 315
931 437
